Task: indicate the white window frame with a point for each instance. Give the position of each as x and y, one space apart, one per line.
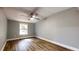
23 32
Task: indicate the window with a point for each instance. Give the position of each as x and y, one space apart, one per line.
23 29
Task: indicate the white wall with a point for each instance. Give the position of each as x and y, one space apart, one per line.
3 28
62 27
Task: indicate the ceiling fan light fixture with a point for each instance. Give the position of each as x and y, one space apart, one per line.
31 18
34 16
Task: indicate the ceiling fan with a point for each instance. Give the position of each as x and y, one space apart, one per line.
33 16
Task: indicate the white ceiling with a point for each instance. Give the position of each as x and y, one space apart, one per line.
45 12
22 13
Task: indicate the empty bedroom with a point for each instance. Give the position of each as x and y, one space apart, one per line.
39 28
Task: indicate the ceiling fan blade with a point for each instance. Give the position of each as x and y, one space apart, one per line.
37 18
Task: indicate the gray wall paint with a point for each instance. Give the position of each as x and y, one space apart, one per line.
62 27
31 29
13 29
3 28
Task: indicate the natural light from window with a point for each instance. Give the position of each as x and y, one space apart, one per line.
23 29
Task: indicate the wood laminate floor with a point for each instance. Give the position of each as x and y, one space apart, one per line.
32 44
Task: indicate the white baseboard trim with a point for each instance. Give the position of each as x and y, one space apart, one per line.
18 38
3 46
62 45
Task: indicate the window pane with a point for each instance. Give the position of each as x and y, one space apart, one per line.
23 29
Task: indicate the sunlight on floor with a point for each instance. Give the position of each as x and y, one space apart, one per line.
24 44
